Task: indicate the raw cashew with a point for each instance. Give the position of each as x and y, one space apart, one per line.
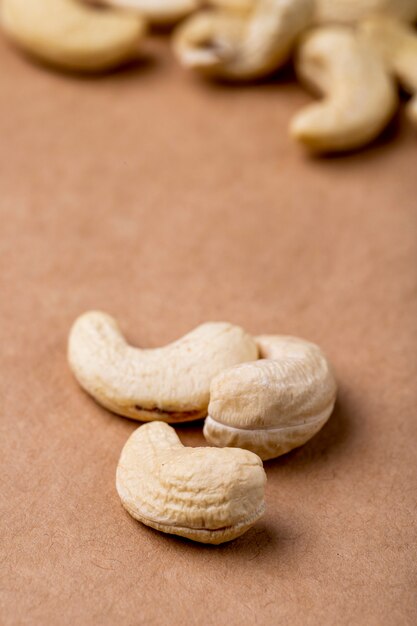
359 95
396 43
351 11
158 11
205 494
71 35
275 404
239 45
170 384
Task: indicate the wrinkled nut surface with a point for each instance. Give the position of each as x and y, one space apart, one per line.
359 96
158 11
274 404
205 494
351 11
396 43
170 384
242 45
72 35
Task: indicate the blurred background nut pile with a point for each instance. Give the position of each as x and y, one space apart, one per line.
353 54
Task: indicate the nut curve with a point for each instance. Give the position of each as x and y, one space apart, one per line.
275 404
396 43
239 44
204 494
337 63
169 384
71 35
158 12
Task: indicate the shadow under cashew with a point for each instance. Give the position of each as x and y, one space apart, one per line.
250 546
254 547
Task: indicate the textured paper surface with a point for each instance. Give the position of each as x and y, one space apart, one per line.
168 202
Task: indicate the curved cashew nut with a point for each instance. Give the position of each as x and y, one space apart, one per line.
396 43
205 494
241 45
158 11
71 35
275 404
351 11
170 384
359 95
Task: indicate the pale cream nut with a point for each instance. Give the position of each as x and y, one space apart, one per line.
71 35
351 11
171 384
359 95
274 404
396 43
159 12
204 494
241 45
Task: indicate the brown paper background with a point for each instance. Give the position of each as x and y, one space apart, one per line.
168 202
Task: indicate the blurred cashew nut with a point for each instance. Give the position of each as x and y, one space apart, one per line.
242 44
396 43
72 35
359 96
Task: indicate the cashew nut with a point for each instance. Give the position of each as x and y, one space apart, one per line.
350 11
205 494
359 95
71 35
275 404
158 11
396 43
170 384
241 45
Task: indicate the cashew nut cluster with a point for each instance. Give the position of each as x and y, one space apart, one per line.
275 404
262 398
209 495
72 35
351 11
242 44
396 43
157 11
170 384
347 51
359 99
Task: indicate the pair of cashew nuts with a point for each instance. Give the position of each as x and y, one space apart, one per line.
262 397
354 69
